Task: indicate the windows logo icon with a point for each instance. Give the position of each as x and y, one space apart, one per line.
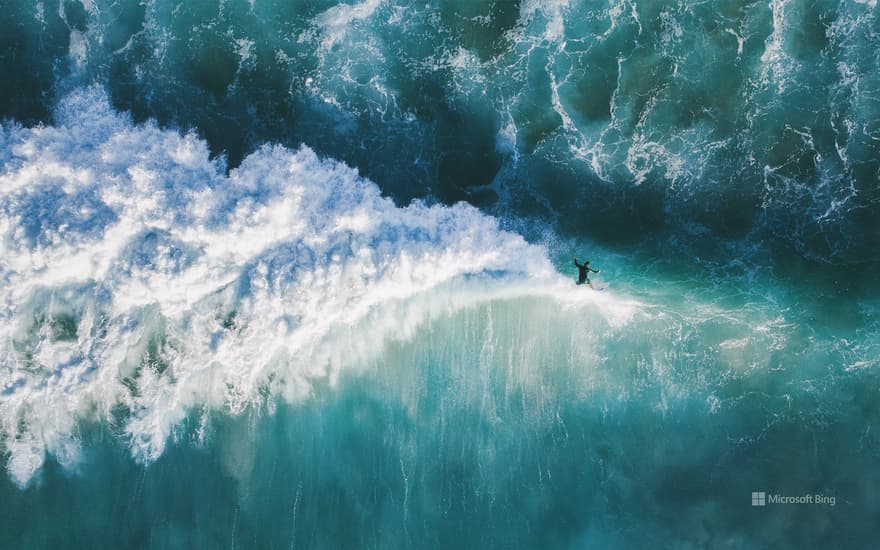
759 499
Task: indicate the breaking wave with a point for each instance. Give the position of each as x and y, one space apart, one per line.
140 281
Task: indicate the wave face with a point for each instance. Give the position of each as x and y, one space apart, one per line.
243 304
748 120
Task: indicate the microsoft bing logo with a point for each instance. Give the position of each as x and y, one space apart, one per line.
760 498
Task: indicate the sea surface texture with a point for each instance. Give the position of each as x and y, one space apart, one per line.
297 274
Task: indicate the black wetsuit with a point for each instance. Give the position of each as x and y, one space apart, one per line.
583 273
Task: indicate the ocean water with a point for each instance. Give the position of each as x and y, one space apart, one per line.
297 274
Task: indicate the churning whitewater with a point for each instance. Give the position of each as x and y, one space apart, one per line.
137 276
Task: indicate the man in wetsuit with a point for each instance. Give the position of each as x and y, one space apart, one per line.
583 272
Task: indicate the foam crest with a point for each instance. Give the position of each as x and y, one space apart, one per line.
140 282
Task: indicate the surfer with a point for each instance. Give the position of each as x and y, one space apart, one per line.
584 272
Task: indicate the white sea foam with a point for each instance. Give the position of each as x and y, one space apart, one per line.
137 276
776 63
336 20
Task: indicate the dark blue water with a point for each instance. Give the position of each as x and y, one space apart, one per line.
224 321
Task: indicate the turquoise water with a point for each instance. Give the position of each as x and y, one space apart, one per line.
297 274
